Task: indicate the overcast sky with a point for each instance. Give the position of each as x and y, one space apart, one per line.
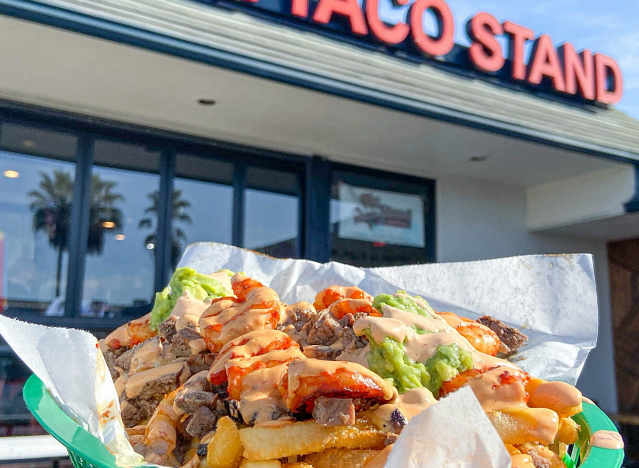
609 27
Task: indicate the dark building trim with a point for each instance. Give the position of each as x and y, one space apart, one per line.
165 220
316 213
78 237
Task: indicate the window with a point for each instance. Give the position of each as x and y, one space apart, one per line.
37 185
202 203
271 215
119 273
379 221
35 213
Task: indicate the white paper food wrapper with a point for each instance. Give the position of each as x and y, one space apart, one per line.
69 364
552 298
432 438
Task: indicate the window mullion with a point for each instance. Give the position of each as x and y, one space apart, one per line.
163 239
239 203
79 226
317 199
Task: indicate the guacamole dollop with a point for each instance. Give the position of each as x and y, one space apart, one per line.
405 303
388 358
185 279
447 362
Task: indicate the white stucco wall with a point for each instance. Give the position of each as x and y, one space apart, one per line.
479 220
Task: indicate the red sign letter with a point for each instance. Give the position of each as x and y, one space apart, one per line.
579 71
349 8
388 34
485 52
444 42
608 91
518 35
544 61
299 8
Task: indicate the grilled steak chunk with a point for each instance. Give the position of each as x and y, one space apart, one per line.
124 361
111 356
334 411
323 329
510 337
181 341
137 410
202 422
325 353
156 381
191 401
167 328
200 362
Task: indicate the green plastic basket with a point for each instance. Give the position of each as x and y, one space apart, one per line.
87 451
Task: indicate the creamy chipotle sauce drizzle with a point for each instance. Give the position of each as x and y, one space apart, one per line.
500 386
397 324
607 440
227 319
409 404
261 400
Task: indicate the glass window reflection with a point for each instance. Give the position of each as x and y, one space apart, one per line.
271 215
119 274
202 203
378 222
35 212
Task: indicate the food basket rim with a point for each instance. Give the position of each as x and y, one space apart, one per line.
89 448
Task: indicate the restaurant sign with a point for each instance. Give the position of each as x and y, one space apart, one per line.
400 25
380 216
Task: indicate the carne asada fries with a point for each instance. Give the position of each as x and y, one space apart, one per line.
222 374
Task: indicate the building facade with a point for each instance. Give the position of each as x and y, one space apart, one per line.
319 131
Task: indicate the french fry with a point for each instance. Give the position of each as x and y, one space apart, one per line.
562 398
520 425
225 448
568 432
260 464
297 465
301 438
340 458
379 460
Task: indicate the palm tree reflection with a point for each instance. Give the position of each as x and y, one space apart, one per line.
179 214
51 207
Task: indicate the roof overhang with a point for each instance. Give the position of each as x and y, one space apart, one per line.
238 42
